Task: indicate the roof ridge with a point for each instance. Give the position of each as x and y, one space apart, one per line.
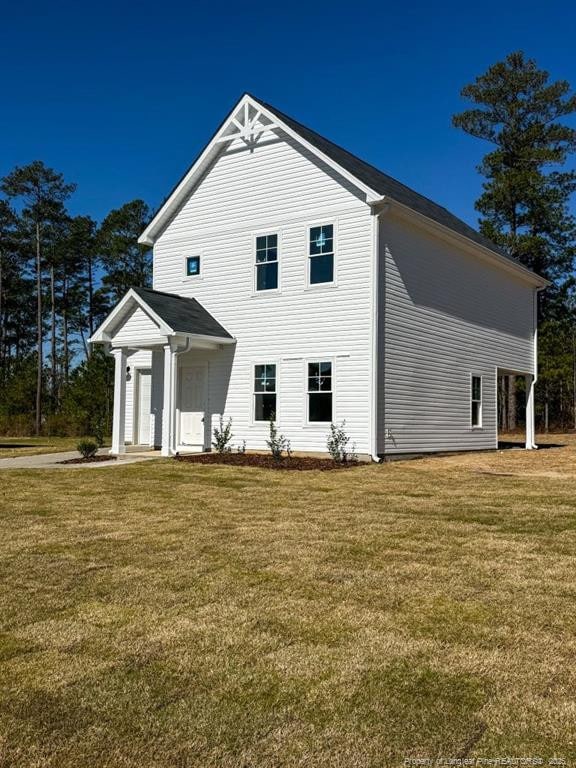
164 293
387 185
353 156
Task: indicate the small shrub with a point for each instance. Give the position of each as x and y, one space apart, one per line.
223 436
242 447
278 443
87 448
337 444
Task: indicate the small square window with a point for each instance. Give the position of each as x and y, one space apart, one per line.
192 266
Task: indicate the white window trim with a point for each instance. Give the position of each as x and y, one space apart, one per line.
481 401
269 291
334 282
319 424
253 364
185 257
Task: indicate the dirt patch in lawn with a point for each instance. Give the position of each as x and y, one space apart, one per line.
88 460
300 463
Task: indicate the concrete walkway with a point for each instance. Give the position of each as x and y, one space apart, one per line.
52 460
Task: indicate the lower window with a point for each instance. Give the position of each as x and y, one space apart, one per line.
476 401
320 392
264 392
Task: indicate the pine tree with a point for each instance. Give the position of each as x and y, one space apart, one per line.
41 192
526 192
127 263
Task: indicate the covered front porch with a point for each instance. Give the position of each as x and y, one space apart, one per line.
161 344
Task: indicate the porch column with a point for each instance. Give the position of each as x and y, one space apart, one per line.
119 414
530 428
168 401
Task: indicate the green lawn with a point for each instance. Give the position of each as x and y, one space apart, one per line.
164 614
32 446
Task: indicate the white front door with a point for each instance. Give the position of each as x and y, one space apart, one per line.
144 400
193 387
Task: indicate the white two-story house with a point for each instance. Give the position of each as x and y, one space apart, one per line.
294 281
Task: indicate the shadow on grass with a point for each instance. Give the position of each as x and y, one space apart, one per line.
504 445
25 445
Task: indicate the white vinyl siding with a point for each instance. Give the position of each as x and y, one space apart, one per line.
277 188
138 327
444 313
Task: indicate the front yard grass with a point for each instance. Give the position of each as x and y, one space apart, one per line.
169 614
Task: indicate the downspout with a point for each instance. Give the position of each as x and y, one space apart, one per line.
375 326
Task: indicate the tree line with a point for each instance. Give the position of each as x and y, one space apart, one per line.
59 277
61 274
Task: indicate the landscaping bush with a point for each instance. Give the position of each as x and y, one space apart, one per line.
278 443
223 436
337 444
87 448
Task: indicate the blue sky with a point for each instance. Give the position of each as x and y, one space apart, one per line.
121 97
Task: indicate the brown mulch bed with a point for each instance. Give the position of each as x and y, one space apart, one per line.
89 460
300 463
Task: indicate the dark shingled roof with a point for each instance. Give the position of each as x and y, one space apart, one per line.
384 184
181 314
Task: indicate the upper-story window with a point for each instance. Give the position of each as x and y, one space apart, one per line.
321 254
266 262
192 266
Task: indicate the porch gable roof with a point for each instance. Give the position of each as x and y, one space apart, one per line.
175 316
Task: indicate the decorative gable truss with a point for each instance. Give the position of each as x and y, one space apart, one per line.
249 122
246 123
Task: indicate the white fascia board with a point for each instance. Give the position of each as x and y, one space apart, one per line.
101 333
202 337
149 235
471 245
